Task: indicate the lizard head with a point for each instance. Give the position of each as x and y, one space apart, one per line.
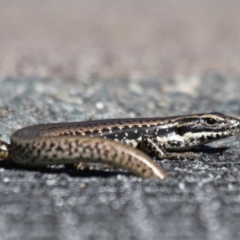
198 129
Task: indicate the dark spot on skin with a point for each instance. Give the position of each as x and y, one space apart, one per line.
125 127
88 133
65 134
173 143
202 138
106 152
59 149
129 159
210 137
76 150
115 129
105 130
138 165
97 149
95 132
78 142
87 148
177 144
52 145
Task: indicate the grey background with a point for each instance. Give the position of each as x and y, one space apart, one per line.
78 60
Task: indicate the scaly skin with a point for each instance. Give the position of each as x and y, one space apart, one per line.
106 141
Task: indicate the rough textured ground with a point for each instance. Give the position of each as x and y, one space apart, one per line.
71 61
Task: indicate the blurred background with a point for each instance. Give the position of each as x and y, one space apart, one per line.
112 39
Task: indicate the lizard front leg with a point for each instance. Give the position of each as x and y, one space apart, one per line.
157 148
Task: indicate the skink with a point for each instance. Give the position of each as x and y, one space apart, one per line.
123 143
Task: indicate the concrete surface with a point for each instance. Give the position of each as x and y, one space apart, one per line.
78 60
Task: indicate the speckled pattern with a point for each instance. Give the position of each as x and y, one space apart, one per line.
104 141
69 150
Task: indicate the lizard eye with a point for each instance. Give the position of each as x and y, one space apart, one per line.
210 121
